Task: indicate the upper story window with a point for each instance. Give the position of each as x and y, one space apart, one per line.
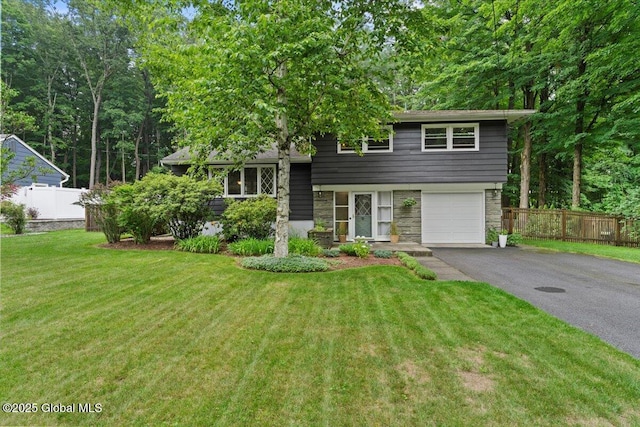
451 137
250 181
370 145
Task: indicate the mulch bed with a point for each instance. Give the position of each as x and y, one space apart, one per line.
166 243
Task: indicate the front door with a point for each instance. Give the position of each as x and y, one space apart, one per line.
363 218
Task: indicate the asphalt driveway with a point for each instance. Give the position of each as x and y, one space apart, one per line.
598 295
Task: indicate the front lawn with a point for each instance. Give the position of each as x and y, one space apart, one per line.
616 252
177 338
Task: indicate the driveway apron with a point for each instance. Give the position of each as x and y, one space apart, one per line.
598 295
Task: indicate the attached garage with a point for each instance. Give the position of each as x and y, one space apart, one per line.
453 217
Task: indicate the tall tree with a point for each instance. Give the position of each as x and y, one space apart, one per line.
102 46
243 77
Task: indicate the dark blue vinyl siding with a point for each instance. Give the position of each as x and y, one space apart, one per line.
408 164
300 194
43 173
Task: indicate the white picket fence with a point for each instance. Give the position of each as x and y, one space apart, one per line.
51 202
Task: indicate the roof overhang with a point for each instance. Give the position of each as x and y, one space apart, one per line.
270 156
460 115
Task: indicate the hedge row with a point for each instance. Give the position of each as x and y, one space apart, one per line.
413 264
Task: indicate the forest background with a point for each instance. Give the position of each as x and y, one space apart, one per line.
75 87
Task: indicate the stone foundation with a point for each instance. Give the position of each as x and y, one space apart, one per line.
41 225
492 210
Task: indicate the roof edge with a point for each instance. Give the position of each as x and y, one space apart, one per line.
412 116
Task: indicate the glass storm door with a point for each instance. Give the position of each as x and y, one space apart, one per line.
363 208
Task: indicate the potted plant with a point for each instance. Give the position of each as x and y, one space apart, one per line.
321 235
492 237
342 232
395 235
502 239
409 202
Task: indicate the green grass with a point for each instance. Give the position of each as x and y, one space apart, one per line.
615 252
176 338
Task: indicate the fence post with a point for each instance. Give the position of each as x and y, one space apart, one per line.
564 224
618 231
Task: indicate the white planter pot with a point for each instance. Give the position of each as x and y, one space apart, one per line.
502 240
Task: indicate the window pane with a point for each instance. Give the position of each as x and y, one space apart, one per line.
384 214
267 179
251 181
384 198
384 228
382 145
342 199
464 137
233 183
344 148
342 214
435 138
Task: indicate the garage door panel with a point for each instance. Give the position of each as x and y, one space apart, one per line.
453 217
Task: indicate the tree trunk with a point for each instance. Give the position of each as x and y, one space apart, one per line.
108 171
94 139
124 169
525 166
136 152
281 248
577 175
542 180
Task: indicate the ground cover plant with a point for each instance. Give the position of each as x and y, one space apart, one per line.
616 252
201 244
412 264
169 337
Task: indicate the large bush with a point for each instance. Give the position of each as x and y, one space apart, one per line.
249 218
137 215
181 202
14 216
104 210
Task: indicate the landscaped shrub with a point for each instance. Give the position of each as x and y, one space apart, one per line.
302 246
514 239
361 249
348 248
180 202
104 210
413 264
201 244
14 216
291 264
249 218
136 216
382 253
251 247
331 253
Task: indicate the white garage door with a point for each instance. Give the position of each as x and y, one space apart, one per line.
452 218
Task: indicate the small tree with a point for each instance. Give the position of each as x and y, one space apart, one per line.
14 215
104 209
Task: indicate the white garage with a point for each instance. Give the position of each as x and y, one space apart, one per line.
453 217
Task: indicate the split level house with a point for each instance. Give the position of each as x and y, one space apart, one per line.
438 175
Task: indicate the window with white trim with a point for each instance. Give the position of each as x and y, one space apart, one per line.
370 145
451 137
250 181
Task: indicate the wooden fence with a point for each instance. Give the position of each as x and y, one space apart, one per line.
571 226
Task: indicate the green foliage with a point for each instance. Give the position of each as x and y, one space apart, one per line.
348 248
382 253
251 247
413 264
331 253
14 215
136 214
104 210
514 239
409 202
290 264
182 202
302 246
361 250
249 218
492 235
200 244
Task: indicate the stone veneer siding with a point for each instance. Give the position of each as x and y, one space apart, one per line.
323 207
492 210
409 220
